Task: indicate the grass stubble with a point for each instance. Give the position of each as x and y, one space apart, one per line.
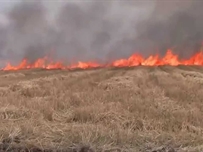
148 109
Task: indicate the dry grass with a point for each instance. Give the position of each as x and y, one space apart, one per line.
110 109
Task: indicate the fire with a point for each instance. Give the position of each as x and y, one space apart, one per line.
135 60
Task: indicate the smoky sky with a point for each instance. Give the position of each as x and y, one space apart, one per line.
176 25
100 30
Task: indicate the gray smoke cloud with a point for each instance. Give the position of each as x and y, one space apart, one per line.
100 30
173 24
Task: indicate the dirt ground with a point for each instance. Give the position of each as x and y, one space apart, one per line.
146 109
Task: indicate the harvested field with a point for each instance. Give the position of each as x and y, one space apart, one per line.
148 109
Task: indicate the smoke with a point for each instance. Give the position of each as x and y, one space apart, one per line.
177 25
94 30
99 30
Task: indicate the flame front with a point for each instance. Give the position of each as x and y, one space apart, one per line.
154 60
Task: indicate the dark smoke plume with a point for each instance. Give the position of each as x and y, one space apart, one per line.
174 24
100 30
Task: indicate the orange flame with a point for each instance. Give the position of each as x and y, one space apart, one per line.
154 60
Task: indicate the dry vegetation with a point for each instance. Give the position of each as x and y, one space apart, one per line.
134 109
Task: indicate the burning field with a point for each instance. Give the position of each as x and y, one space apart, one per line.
116 76
132 61
149 104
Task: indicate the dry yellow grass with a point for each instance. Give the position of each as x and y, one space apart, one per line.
134 109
